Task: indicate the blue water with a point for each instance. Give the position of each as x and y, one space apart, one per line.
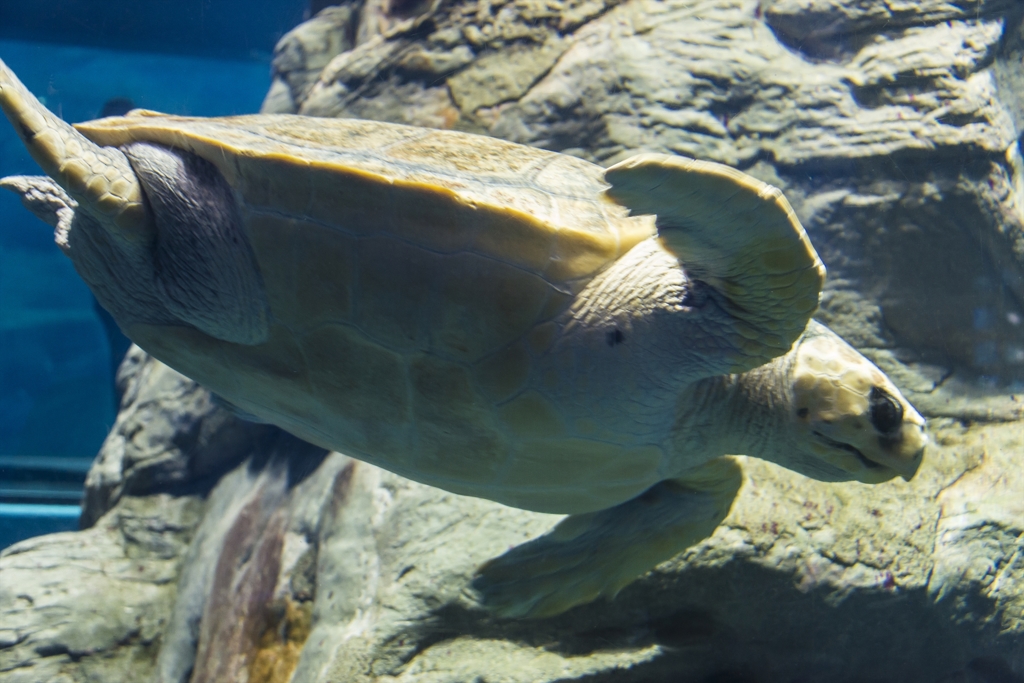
211 28
19 521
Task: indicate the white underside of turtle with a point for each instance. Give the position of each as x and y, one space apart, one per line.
489 318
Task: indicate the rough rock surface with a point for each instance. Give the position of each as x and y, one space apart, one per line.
893 128
93 605
169 436
305 566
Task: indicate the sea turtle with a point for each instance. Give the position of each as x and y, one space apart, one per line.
485 317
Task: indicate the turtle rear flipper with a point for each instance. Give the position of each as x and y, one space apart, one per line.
597 554
98 178
738 235
206 271
47 200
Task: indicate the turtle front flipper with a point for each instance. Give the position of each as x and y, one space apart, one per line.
597 554
738 235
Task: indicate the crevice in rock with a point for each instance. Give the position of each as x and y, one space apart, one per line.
820 31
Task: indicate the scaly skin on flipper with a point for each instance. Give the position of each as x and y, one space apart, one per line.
200 272
46 199
100 179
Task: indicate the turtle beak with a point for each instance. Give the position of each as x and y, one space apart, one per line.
904 451
905 467
900 454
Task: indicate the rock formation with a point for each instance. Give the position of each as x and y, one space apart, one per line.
305 566
218 550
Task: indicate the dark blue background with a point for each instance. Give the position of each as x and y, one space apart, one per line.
216 28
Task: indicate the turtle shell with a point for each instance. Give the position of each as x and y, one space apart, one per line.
445 191
409 274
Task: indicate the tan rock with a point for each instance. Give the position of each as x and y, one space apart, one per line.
93 605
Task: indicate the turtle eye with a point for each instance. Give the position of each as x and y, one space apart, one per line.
886 412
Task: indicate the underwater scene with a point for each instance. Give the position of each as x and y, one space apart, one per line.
512 341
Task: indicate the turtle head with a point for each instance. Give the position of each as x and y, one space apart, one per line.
848 415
